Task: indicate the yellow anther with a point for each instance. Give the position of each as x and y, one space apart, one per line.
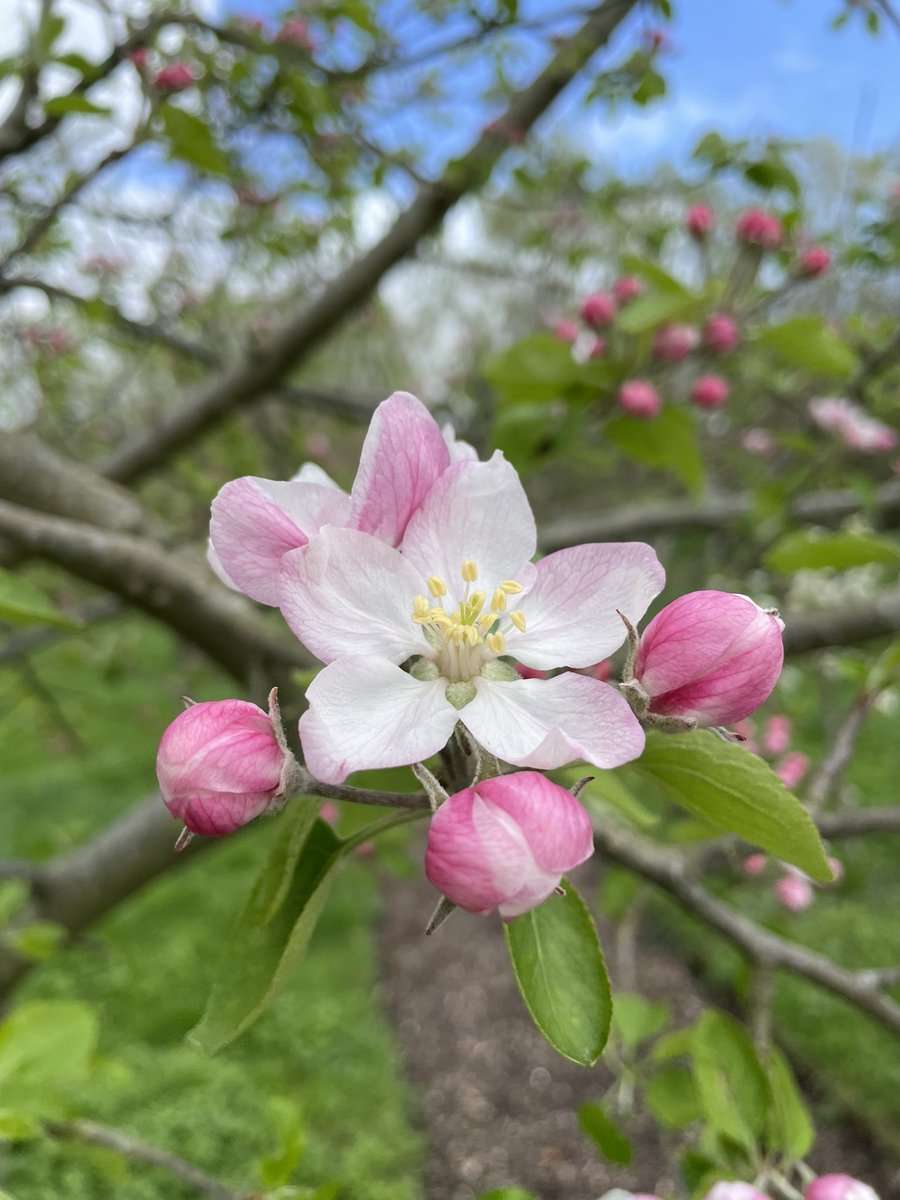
472 635
476 602
436 586
496 643
470 571
421 610
511 587
498 600
518 619
486 620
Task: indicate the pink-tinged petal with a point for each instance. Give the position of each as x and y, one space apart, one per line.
839 1187
556 826
735 1189
477 511
459 450
546 723
349 593
311 472
365 713
403 455
570 610
255 522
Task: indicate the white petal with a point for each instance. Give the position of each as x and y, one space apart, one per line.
570 609
310 472
365 713
476 511
546 723
349 593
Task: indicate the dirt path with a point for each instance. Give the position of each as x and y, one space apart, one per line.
498 1106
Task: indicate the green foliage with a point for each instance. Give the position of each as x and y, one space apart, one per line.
668 443
730 1081
559 967
809 343
637 1020
533 371
23 602
808 550
191 140
671 1096
612 1143
46 1049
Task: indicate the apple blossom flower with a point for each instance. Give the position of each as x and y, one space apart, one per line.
639 398
777 734
565 331
852 424
837 869
758 228
223 762
176 77
735 1189
255 521
794 892
839 1187
598 310
443 604
708 658
710 391
296 32
720 333
627 288
673 343
793 768
139 57
813 262
506 843
699 221
754 864
598 348
758 441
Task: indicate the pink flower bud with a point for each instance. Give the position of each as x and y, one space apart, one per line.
754 864
792 769
735 1189
139 57
675 342
720 333
598 349
530 672
222 763
639 398
711 657
852 424
813 262
174 78
626 289
699 221
565 331
794 893
506 843
598 310
839 1187
757 441
837 869
777 736
296 33
758 228
710 391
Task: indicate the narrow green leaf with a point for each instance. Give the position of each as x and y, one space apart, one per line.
736 792
647 312
803 550
559 967
191 140
730 1081
671 1095
14 895
24 603
793 1126
653 273
286 1120
809 343
636 1019
272 931
613 1144
669 443
60 106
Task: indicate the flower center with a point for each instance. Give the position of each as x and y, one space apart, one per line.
467 636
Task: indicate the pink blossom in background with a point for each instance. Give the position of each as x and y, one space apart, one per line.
699 221
329 812
254 521
754 864
711 657
296 32
813 262
598 310
758 228
777 734
793 768
627 288
176 77
639 398
220 764
461 597
837 869
139 57
794 893
565 331
720 333
735 1189
598 348
673 343
758 441
853 425
839 1187
710 391
506 843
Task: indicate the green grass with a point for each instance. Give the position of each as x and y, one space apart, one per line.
324 1044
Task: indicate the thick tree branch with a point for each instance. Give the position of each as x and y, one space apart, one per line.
842 627
262 369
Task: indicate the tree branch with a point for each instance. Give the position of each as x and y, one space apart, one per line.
842 627
262 369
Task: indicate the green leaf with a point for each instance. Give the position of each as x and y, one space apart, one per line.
809 343
794 1128
559 967
668 443
24 603
286 1120
646 312
730 1082
613 1144
14 895
535 370
38 941
673 1045
60 106
273 929
18 1126
46 1042
651 87
805 550
672 1097
653 273
736 792
191 140
510 1193
636 1019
